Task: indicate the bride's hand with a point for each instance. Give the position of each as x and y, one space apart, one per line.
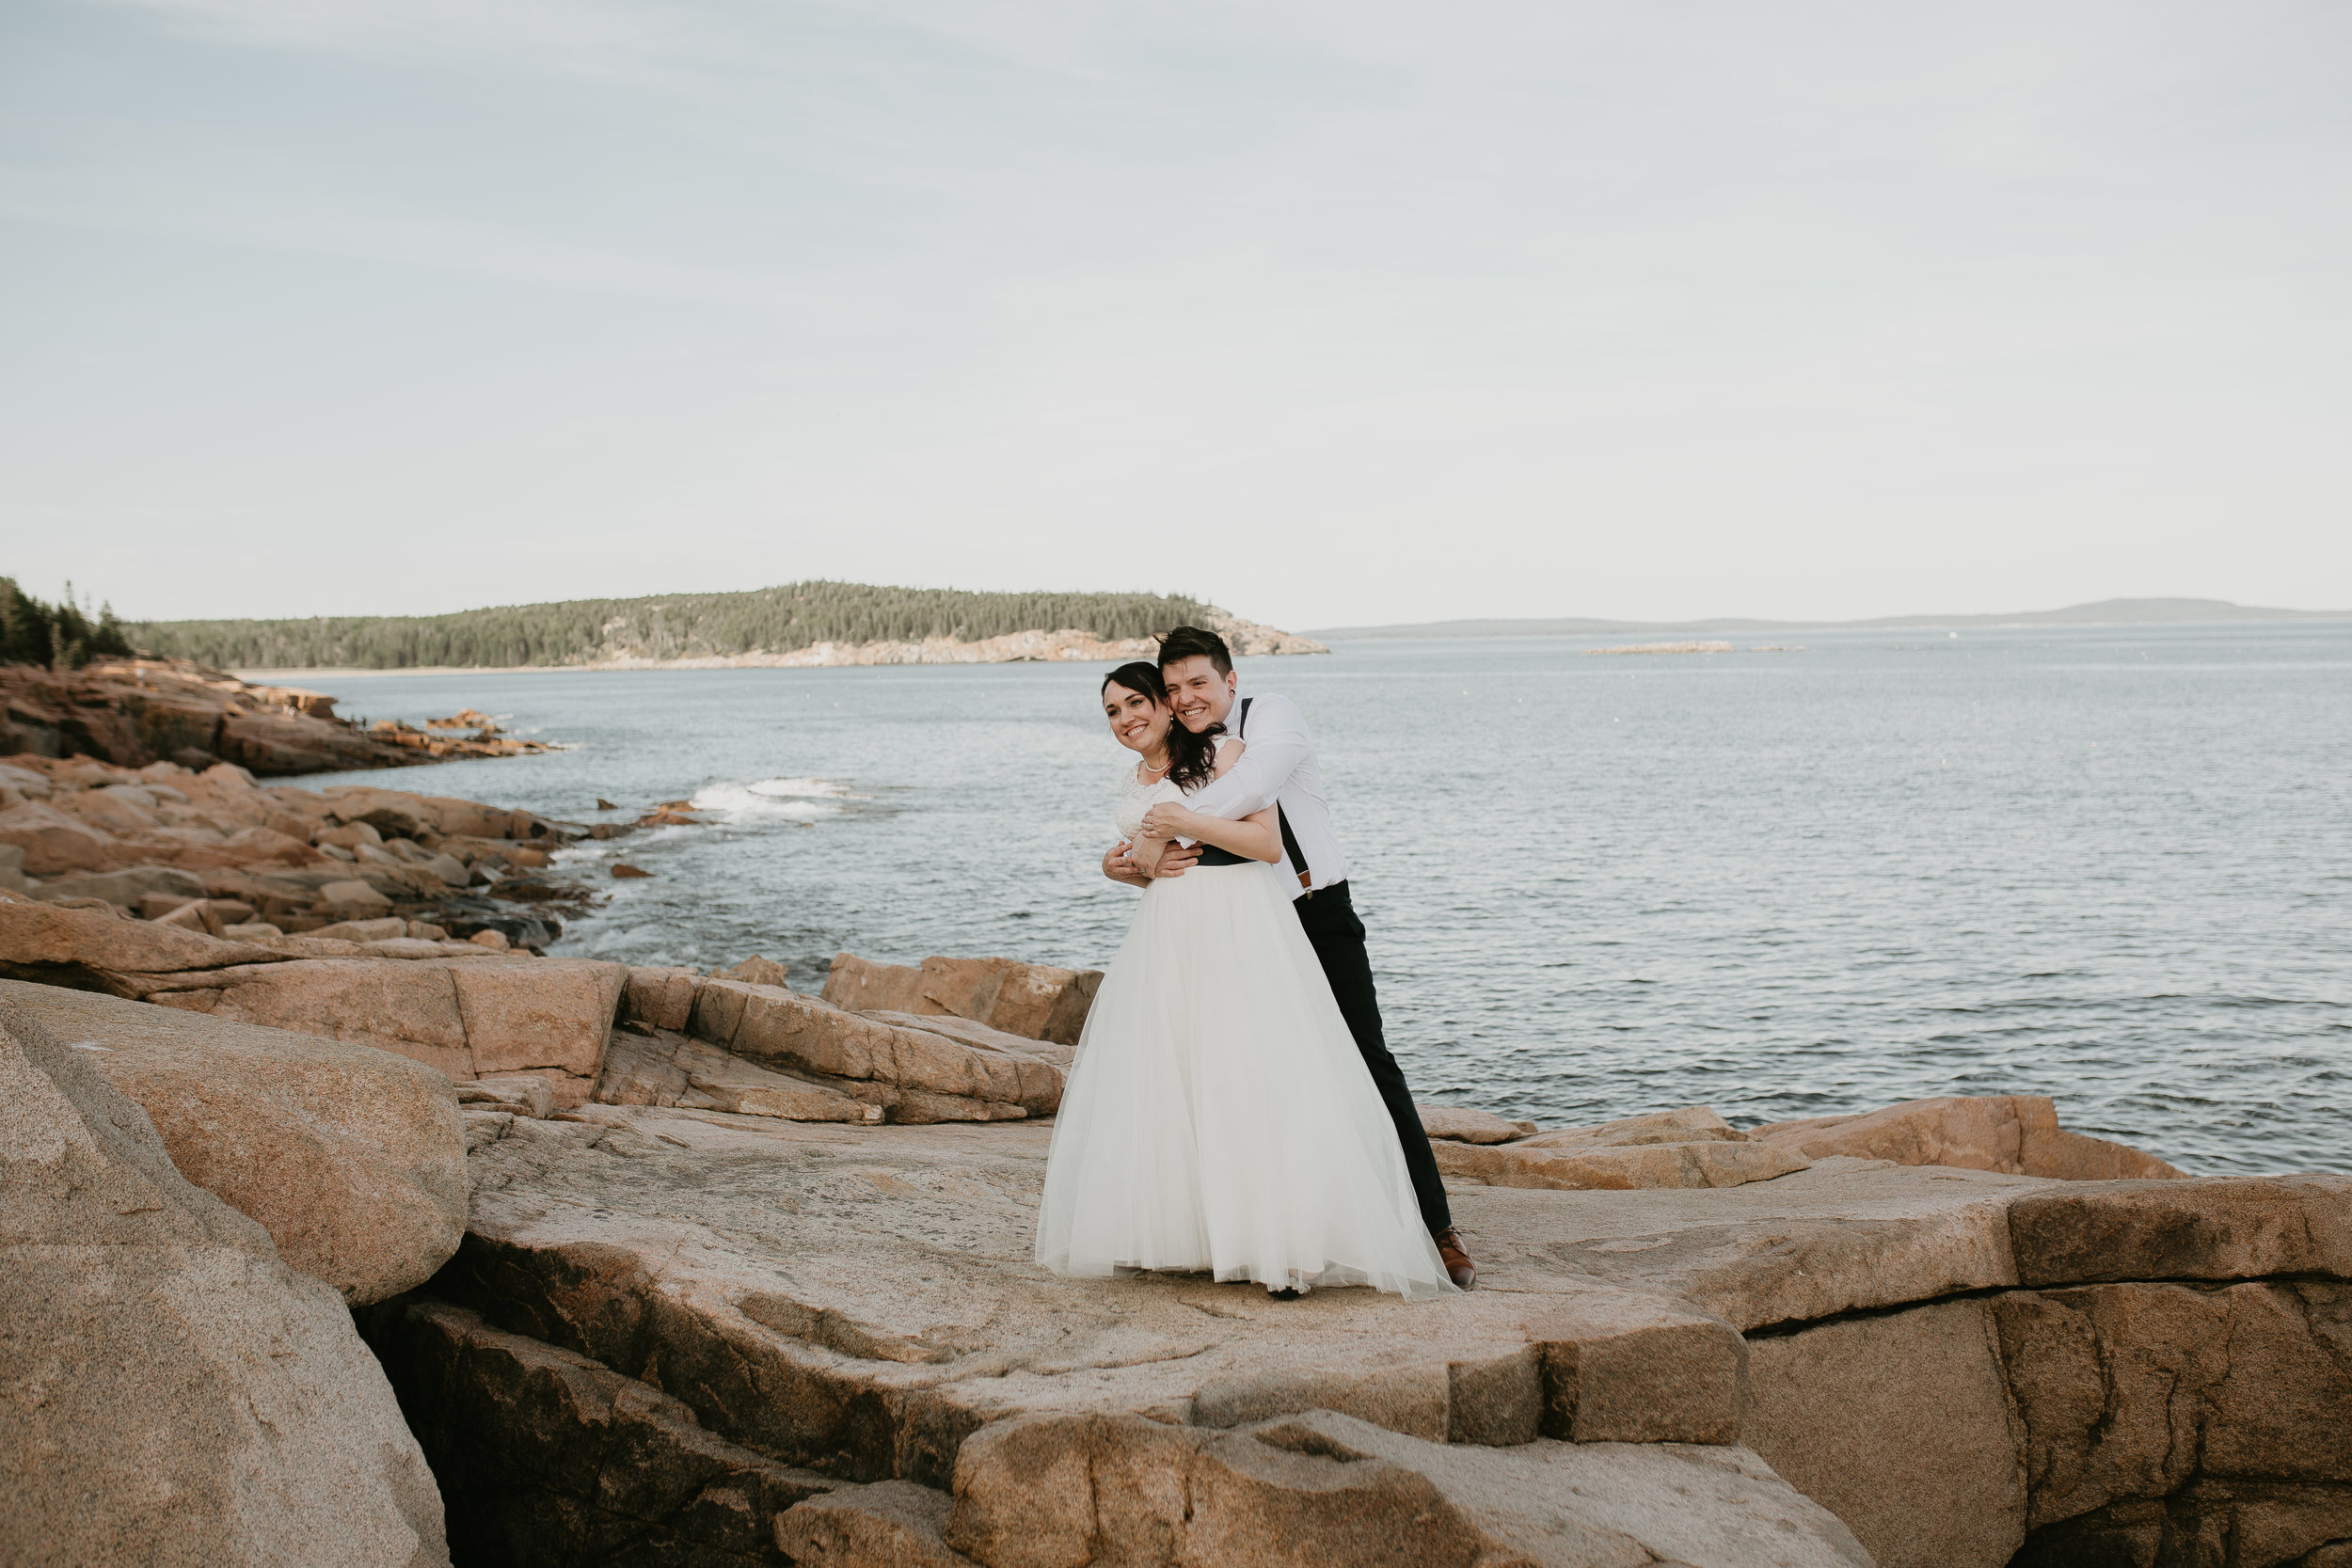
1169 820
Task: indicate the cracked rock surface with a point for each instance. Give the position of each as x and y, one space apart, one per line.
1859 1352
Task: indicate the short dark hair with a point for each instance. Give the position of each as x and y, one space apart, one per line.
1193 642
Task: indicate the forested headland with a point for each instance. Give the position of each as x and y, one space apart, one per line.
62 636
666 626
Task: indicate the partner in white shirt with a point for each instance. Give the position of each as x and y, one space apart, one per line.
1278 768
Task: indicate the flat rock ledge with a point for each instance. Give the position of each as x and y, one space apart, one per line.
2014 1134
679 1334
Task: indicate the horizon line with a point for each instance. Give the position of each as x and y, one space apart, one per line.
2115 611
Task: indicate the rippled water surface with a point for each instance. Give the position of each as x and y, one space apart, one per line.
2110 866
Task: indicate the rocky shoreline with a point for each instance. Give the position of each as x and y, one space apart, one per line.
221 853
347 1245
138 712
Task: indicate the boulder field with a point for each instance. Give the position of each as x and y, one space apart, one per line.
668 1267
216 851
131 712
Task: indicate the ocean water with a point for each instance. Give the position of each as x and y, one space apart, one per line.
2111 866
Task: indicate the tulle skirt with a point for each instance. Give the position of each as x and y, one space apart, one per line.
1218 1117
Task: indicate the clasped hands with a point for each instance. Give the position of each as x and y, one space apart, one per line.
1164 821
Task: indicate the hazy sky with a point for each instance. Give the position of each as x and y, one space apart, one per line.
1330 313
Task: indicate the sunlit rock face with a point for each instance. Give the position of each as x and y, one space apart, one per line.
1855 1360
170 1390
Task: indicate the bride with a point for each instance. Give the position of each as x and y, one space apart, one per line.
1219 1117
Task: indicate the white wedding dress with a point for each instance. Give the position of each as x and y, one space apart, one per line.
1217 1118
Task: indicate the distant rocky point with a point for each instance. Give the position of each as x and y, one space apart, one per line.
1068 643
2106 613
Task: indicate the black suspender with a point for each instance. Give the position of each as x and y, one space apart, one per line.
1282 817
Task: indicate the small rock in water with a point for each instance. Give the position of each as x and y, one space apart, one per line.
623 869
603 804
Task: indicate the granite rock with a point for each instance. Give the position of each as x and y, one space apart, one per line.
661 1067
350 1158
547 1457
1901 1424
127 887
1463 1124
1704 1164
94 950
918 1075
1320 1488
470 1016
2017 1133
2224 1228
887 1524
169 1390
1035 1001
1688 1124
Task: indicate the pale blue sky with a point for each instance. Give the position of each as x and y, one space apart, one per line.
1331 312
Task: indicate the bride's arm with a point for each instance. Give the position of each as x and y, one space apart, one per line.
1145 852
1255 837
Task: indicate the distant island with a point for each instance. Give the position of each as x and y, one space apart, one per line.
799 624
2106 613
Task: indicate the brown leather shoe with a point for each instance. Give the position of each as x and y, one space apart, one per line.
1458 1266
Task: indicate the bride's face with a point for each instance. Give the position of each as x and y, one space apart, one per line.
1137 722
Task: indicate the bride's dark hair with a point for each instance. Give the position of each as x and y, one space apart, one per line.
1191 755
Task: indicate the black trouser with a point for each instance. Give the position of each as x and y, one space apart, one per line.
1330 921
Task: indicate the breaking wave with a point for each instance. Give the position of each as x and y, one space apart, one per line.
774 800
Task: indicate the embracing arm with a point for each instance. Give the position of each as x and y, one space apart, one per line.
1256 838
1278 742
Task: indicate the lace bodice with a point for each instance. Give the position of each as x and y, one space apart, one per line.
1136 798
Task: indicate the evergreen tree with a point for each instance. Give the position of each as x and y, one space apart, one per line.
60 635
683 626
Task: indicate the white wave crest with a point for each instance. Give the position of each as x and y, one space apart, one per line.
803 789
773 800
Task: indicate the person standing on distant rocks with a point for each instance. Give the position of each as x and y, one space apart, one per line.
1218 1116
1276 769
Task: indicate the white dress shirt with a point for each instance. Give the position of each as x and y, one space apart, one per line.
1279 766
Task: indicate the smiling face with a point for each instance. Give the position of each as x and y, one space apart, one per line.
1138 721
1202 696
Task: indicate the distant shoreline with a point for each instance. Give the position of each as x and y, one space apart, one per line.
2104 613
